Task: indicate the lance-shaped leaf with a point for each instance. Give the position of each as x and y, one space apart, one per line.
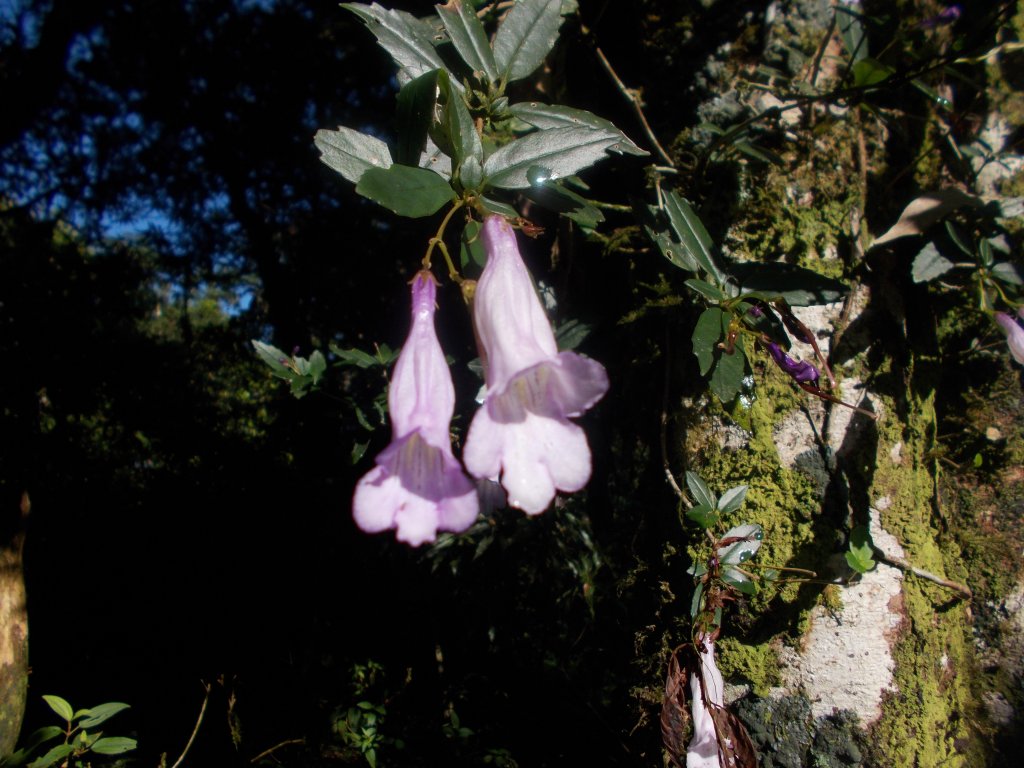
544 117
777 280
454 132
525 37
409 40
926 210
351 153
468 36
748 541
555 197
727 377
692 236
435 160
408 191
561 151
701 493
705 337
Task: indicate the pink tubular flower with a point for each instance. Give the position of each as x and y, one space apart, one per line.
417 486
1014 333
522 431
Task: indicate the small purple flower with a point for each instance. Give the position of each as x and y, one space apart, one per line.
418 487
800 371
1011 326
946 16
522 432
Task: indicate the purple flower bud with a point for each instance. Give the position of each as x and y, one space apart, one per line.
418 487
800 371
1011 326
522 432
755 311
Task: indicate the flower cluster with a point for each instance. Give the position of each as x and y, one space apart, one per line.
520 436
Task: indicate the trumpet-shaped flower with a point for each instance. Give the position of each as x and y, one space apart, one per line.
418 487
801 371
1014 333
522 432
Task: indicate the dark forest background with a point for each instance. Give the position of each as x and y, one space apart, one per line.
161 205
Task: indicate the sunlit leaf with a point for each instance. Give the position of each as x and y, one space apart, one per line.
101 714
749 538
1008 273
351 153
469 37
703 515
114 745
691 234
526 36
60 706
562 151
544 116
732 499
739 581
926 210
409 40
53 756
701 493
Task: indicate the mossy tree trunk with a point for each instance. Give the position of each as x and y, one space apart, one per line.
13 627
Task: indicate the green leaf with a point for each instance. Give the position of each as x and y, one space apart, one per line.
695 603
798 286
545 117
1008 273
701 493
705 289
409 40
750 536
571 334
454 132
670 249
691 234
706 334
868 72
275 358
859 556
114 745
727 377
351 153
703 515
929 264
317 365
738 580
499 208
954 235
434 159
102 713
60 706
525 37
55 755
732 499
358 451
471 174
471 247
415 114
469 37
555 197
758 153
353 356
852 32
562 151
408 191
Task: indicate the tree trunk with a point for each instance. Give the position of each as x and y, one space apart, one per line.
13 632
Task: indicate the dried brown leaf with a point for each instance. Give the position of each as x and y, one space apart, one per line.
675 715
925 211
735 750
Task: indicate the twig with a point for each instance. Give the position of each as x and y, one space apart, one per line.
903 565
199 722
631 95
664 423
285 743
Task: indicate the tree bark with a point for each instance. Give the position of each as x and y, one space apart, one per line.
13 631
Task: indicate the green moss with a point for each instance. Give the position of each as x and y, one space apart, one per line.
755 664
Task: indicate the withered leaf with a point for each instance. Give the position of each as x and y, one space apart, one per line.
735 750
675 715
